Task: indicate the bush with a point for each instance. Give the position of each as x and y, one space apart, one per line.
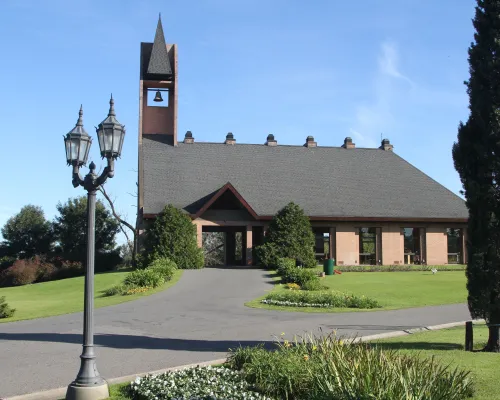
325 368
144 278
107 261
5 310
267 255
6 262
313 284
289 235
164 266
194 384
173 235
67 268
290 273
320 299
22 272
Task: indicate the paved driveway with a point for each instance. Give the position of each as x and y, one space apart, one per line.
196 320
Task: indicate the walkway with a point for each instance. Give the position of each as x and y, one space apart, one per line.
196 320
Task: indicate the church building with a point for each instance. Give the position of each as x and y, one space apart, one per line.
366 205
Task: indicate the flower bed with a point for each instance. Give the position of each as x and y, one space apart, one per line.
199 383
319 299
399 268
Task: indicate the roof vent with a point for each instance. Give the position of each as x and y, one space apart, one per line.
310 142
230 139
386 145
348 144
271 141
189 137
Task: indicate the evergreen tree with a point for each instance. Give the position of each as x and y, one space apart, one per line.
173 235
27 233
476 155
289 235
70 227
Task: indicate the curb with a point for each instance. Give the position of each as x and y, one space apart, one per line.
60 393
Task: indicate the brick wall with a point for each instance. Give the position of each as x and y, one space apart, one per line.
437 246
347 245
392 244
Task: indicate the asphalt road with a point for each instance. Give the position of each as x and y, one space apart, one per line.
196 320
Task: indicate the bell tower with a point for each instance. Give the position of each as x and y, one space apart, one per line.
157 97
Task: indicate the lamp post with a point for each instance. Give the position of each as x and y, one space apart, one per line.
89 385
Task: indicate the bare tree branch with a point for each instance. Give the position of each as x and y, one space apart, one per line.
121 221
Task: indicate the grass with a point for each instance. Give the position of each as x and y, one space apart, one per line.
66 296
447 346
392 290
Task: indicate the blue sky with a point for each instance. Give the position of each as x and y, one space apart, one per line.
326 68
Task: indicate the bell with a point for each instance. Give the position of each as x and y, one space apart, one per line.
158 97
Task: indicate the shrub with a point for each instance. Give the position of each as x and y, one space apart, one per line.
6 262
292 286
313 284
290 273
194 384
289 235
332 368
5 310
267 255
143 278
68 269
164 266
173 235
118 289
22 272
107 261
320 299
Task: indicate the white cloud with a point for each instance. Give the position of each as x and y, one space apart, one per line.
376 118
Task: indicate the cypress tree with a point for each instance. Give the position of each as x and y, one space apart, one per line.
476 155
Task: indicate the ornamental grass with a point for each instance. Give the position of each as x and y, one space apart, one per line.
327 367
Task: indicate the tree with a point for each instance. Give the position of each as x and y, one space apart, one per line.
27 233
173 235
476 156
289 235
70 227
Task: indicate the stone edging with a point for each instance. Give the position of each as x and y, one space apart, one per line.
59 393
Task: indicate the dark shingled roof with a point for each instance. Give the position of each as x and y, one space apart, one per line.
159 62
325 181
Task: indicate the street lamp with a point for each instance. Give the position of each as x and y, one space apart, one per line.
88 384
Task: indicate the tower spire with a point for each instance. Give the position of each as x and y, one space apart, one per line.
159 63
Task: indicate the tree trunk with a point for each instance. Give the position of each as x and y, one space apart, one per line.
493 344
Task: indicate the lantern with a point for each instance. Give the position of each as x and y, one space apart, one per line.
77 143
111 134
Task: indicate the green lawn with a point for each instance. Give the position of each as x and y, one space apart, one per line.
66 295
392 289
447 346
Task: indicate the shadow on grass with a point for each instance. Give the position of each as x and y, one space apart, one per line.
418 346
117 341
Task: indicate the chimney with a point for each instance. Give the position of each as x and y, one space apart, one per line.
271 141
348 144
310 142
386 145
188 138
230 139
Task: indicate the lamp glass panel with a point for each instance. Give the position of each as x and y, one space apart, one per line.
100 137
108 140
75 145
117 133
67 145
83 151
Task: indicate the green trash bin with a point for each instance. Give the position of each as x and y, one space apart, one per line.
328 266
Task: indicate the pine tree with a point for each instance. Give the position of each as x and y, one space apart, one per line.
289 235
476 155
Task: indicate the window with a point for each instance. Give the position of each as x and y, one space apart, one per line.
321 243
412 251
454 245
367 246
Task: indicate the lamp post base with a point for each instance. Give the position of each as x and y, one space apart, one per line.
97 392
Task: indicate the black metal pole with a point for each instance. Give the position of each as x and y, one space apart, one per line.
469 338
88 374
